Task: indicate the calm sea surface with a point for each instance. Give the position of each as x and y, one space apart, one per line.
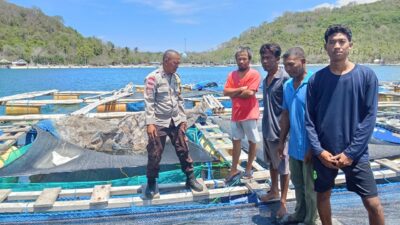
15 81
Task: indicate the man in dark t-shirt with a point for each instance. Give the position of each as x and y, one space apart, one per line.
340 118
270 54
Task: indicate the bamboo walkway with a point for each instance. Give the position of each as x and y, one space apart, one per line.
106 196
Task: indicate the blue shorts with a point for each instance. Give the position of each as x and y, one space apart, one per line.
359 178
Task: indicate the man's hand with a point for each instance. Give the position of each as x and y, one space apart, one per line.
308 157
183 127
342 160
328 160
151 131
281 147
243 88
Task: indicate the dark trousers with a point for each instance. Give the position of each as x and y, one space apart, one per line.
155 149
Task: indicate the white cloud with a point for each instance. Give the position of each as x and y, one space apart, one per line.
340 3
173 7
186 21
182 11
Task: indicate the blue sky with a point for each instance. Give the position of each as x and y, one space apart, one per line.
157 25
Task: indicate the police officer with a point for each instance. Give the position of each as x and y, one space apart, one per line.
165 116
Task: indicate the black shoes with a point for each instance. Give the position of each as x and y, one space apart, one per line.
192 183
151 188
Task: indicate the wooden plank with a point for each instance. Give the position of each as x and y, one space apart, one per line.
253 185
82 92
6 145
9 141
46 102
27 95
108 115
256 188
4 194
389 164
67 101
216 135
100 195
93 105
207 126
144 186
98 96
47 198
261 175
375 165
26 104
11 137
15 130
31 117
126 91
123 190
380 174
258 96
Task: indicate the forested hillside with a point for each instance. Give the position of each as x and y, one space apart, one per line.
375 26
39 39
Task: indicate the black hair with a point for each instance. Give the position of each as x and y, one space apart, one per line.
338 28
275 49
244 49
296 51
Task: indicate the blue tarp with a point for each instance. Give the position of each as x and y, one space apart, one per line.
383 134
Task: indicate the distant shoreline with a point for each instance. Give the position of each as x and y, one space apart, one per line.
151 66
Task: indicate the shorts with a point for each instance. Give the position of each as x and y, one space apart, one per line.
248 128
359 178
271 156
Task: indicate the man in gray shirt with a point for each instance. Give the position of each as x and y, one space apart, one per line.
272 100
165 116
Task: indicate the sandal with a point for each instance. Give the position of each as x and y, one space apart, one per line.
235 176
248 175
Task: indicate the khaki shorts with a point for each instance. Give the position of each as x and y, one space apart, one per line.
248 128
271 156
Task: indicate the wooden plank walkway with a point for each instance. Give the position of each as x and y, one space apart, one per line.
210 192
11 134
106 196
215 140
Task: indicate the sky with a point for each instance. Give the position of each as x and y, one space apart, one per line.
157 25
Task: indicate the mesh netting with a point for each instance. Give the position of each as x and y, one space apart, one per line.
171 176
117 136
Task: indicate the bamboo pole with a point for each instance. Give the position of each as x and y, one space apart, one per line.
27 95
124 92
83 92
68 102
108 115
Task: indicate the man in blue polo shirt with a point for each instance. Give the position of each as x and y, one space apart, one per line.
293 121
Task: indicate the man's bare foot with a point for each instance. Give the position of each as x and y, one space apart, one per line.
269 196
281 211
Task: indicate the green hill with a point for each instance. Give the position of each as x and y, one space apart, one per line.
375 26
31 35
39 39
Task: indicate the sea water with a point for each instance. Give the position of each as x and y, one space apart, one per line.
16 81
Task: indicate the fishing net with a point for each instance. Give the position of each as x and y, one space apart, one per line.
117 136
